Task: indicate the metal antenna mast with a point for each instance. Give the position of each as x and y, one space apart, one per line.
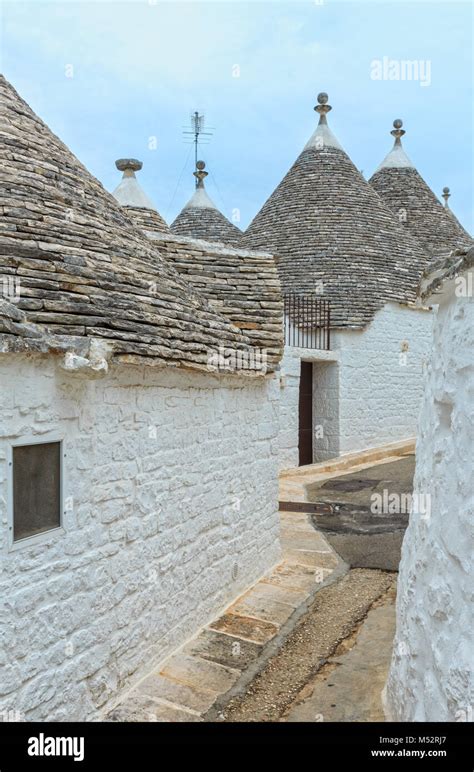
196 131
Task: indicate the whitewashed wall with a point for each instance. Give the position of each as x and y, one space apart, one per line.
370 394
380 390
173 479
289 397
432 671
326 393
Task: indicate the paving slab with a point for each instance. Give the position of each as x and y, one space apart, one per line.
297 521
331 618
196 699
200 673
193 679
296 541
293 575
139 707
313 558
223 649
245 628
265 602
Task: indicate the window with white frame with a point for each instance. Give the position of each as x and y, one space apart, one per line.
36 488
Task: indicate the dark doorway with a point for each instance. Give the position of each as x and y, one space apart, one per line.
305 412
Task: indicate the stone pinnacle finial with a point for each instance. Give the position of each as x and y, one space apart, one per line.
446 195
200 174
322 107
397 131
128 166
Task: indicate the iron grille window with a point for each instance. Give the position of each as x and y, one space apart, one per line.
36 489
307 321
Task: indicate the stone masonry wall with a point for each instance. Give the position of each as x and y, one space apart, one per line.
366 391
431 675
171 512
381 377
289 399
326 434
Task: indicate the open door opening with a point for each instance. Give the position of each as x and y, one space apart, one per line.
305 414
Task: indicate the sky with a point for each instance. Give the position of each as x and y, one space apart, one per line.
120 79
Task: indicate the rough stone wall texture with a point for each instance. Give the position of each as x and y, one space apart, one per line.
289 394
289 397
173 479
370 396
326 434
83 271
431 676
147 219
380 390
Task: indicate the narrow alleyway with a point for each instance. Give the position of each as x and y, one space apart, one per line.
334 664
289 688
311 641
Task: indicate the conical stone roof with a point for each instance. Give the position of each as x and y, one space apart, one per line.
334 235
201 219
404 190
86 275
133 198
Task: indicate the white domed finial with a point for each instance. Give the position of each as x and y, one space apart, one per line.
446 195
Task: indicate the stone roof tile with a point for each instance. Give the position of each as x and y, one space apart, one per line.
89 278
335 236
411 199
201 219
243 285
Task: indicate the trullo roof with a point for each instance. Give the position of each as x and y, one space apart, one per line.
333 233
201 219
404 190
87 277
134 199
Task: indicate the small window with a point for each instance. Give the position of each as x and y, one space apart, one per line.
36 489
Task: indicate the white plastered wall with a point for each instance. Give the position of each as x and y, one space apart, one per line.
432 671
171 481
368 388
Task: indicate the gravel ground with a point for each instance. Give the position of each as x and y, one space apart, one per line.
349 687
336 611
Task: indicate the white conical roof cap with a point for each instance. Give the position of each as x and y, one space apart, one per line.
128 192
322 137
396 158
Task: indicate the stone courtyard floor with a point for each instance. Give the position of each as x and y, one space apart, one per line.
311 641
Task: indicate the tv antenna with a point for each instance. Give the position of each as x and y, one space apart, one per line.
197 134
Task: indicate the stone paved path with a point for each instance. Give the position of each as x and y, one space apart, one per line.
322 633
227 653
258 660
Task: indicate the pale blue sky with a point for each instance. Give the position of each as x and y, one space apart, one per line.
140 68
